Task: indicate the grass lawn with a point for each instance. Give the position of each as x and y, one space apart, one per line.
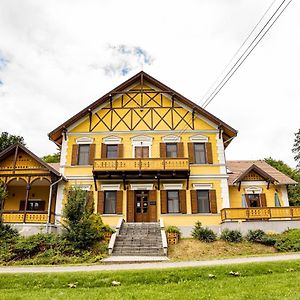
276 280
191 249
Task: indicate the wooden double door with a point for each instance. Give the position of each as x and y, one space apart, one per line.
142 206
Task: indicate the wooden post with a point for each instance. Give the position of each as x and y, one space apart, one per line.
15 159
26 199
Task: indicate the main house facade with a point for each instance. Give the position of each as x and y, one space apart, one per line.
146 153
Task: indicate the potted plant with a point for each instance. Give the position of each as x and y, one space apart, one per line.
173 234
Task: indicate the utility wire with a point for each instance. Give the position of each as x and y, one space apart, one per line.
237 64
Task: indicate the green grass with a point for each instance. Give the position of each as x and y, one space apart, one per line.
277 280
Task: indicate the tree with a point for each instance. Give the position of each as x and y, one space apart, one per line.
7 140
293 190
51 158
3 194
296 148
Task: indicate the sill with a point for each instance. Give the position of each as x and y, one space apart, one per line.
111 215
81 166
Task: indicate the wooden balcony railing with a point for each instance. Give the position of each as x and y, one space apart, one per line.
142 164
253 213
18 217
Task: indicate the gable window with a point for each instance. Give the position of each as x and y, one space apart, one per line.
112 151
83 154
203 201
199 153
173 201
33 205
171 150
110 200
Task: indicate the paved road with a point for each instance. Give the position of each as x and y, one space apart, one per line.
139 266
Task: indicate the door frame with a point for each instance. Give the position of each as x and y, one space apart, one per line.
145 216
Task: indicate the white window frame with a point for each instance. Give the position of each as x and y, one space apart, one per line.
84 141
112 140
253 190
172 186
110 187
141 187
171 139
141 141
199 139
202 186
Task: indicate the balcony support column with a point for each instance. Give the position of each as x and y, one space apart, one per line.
26 198
95 182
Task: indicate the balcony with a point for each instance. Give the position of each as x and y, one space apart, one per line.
18 217
259 213
141 168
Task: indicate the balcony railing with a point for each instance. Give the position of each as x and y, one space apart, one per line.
18 217
142 164
256 213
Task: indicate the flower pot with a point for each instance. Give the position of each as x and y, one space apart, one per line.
172 238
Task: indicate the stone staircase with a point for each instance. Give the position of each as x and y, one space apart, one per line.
139 239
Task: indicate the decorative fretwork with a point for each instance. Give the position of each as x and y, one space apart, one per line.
142 107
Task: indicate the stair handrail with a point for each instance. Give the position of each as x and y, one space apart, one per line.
113 238
163 236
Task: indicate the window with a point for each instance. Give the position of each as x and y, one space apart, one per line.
33 205
171 150
110 199
203 201
83 154
173 201
200 155
112 151
253 200
141 152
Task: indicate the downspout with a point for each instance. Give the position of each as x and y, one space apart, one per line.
50 201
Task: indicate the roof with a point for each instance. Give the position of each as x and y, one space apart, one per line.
237 169
12 148
55 166
56 134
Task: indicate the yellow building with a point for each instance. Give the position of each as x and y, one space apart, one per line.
147 153
31 186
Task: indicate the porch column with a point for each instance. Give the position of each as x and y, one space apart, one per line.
26 199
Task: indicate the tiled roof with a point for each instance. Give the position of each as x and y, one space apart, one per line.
236 167
55 166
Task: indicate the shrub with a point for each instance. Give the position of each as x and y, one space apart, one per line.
288 241
173 229
255 236
83 228
203 234
234 236
7 233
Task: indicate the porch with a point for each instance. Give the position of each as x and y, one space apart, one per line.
11 216
260 213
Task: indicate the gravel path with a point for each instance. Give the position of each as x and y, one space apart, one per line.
151 265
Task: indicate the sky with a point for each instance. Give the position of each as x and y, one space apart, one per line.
58 56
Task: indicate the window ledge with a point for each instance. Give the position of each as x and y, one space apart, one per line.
80 166
111 215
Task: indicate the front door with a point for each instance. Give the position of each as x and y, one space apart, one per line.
141 206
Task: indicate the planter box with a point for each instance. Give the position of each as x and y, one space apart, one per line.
107 236
172 238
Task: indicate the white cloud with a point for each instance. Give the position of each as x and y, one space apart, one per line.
58 52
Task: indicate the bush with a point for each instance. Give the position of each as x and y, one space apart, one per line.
7 232
255 236
173 229
203 234
234 236
288 241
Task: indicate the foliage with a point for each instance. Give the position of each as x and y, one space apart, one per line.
51 158
3 194
203 234
289 241
173 229
234 236
296 148
7 233
105 227
271 280
7 140
83 228
293 190
259 236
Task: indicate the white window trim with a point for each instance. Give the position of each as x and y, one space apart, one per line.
141 141
253 190
199 139
172 186
84 141
85 187
112 140
110 187
202 186
171 139
140 186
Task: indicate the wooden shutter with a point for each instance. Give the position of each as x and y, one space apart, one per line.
163 150
152 197
120 150
22 205
74 159
92 154
191 153
209 158
163 202
194 202
213 201
180 151
90 200
182 201
103 151
263 200
119 204
100 206
130 206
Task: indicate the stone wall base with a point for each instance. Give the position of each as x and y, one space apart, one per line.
30 229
